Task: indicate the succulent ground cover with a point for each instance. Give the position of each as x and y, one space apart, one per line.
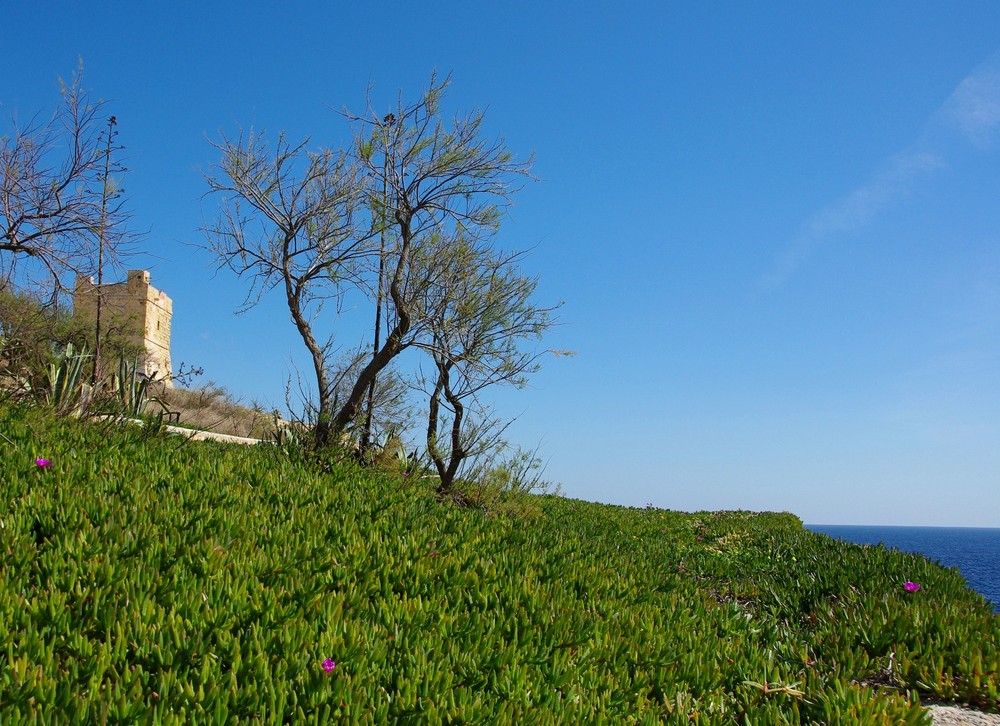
148 579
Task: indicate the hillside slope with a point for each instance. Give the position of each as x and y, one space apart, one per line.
153 579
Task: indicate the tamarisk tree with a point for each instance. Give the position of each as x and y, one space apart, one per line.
406 218
431 184
480 317
287 221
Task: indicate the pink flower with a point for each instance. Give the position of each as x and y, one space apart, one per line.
329 665
43 463
911 586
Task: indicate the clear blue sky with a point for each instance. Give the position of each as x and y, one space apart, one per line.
775 226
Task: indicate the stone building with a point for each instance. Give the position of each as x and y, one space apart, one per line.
139 309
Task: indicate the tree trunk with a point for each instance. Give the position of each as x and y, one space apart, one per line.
325 395
393 343
446 471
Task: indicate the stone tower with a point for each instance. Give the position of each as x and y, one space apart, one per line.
136 307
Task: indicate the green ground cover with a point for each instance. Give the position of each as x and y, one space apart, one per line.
147 579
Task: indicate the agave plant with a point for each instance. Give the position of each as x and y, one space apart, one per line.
132 389
390 453
66 392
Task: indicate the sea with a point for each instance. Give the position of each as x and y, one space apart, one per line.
974 551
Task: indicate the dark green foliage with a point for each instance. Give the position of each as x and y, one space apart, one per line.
148 580
32 335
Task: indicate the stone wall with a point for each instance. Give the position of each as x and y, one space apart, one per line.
135 308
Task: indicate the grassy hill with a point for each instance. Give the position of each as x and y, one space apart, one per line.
148 579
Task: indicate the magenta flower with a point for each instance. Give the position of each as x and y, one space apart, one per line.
698 538
911 586
329 665
43 463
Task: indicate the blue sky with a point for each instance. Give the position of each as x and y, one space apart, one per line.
775 226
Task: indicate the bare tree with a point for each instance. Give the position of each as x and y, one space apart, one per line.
51 212
287 220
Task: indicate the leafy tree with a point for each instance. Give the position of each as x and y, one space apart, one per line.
33 334
430 184
480 315
405 217
30 334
